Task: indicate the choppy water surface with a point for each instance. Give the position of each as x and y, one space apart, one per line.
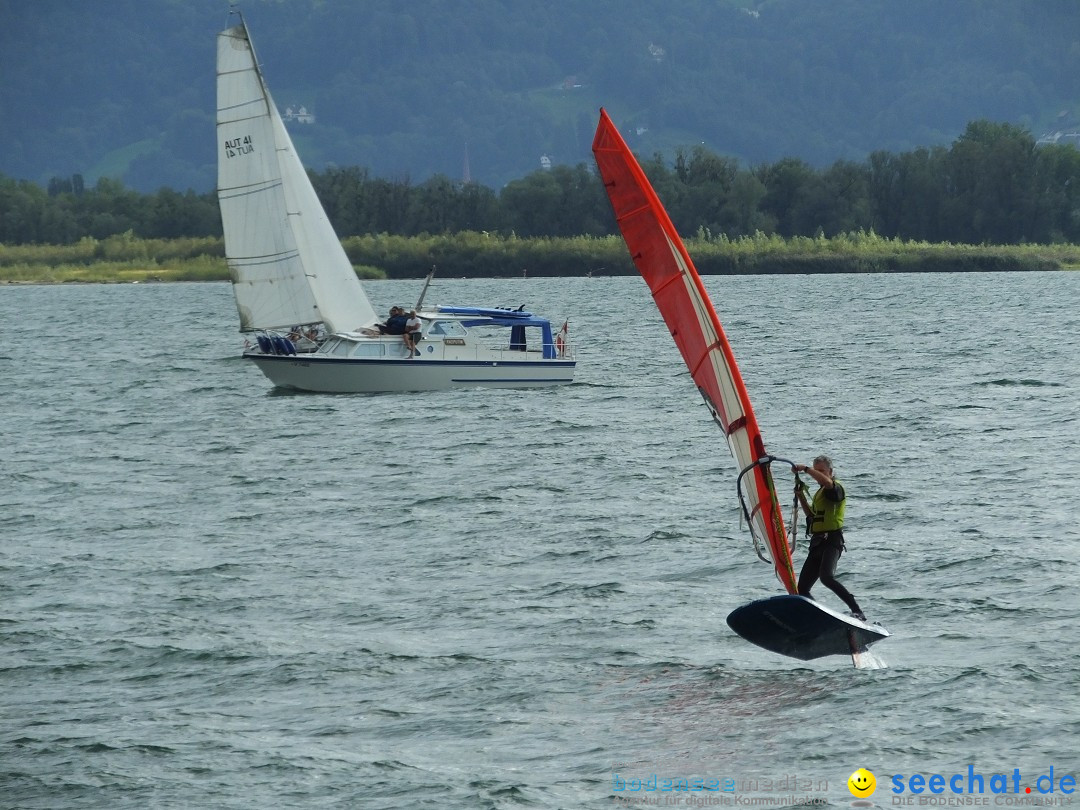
217 595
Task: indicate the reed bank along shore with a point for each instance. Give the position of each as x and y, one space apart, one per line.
127 258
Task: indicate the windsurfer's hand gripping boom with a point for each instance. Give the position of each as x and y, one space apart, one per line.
820 473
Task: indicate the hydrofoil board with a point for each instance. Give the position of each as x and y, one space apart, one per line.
802 628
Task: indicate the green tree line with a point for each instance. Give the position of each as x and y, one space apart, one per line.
993 185
127 258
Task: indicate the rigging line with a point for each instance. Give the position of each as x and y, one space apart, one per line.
793 525
763 462
757 508
720 416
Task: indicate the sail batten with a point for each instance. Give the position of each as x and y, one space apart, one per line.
245 118
262 259
660 288
240 191
662 259
643 210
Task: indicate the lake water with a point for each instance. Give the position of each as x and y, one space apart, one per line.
213 594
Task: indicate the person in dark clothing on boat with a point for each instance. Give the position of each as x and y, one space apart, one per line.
825 522
395 324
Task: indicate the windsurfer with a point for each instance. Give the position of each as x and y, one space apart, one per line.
825 516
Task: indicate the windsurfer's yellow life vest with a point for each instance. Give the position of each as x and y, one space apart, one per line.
828 514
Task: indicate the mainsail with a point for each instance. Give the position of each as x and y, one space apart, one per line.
287 265
663 261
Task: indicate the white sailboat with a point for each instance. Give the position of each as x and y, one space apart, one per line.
291 276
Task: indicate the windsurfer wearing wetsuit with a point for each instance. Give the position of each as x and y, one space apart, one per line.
825 516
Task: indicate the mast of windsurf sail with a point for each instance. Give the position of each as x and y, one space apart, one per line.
661 258
287 265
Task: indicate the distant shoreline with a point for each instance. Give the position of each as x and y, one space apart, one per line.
905 271
125 258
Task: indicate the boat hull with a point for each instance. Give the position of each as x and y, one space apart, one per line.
336 375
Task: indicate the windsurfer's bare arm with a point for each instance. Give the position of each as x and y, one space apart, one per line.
823 478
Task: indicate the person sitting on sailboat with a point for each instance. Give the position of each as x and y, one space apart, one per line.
825 521
412 333
395 324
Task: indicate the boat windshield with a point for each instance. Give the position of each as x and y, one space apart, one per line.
449 328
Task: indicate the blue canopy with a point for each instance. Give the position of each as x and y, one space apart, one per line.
503 317
515 318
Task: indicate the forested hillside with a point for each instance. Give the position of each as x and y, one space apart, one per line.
993 185
485 89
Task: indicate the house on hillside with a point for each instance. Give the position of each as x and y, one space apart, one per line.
300 115
1067 131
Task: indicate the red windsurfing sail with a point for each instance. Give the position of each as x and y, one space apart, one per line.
662 260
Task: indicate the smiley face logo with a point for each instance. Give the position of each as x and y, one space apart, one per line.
862 783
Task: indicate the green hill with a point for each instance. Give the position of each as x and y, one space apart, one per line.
412 90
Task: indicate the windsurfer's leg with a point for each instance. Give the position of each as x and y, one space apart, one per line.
810 571
826 572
